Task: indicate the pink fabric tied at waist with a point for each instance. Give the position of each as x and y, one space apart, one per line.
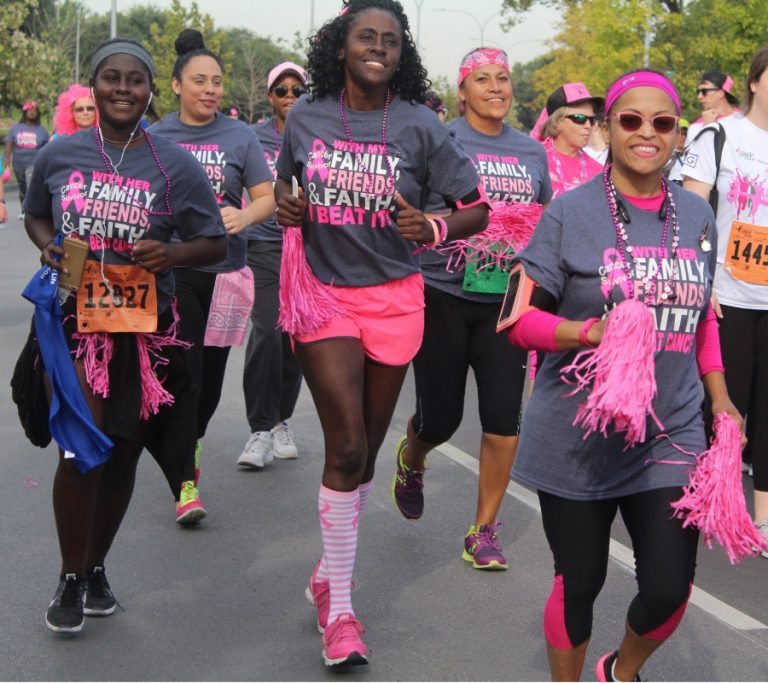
230 310
96 349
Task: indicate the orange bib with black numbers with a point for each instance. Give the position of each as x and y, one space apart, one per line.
122 298
746 258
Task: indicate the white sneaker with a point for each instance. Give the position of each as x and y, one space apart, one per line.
762 527
257 452
283 444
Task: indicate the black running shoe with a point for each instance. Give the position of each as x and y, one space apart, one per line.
65 613
604 668
99 601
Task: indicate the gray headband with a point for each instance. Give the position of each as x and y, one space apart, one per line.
122 47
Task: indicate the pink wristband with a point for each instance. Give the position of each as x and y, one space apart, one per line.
584 329
435 231
443 228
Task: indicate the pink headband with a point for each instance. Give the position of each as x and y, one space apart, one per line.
482 57
639 79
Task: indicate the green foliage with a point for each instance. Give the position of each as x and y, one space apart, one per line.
527 105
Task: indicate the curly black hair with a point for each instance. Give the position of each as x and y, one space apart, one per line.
327 72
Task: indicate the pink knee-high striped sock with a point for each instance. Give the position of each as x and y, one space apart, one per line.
365 491
339 515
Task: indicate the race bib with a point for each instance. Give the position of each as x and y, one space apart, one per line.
485 275
746 258
123 299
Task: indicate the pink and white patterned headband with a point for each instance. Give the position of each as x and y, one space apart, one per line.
482 57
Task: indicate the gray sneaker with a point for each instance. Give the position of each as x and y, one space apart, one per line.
283 444
257 451
762 527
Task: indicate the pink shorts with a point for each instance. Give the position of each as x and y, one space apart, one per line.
388 319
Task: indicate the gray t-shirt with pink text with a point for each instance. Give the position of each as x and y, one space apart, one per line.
350 225
573 256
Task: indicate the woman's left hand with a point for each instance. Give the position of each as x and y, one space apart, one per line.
412 224
233 220
725 405
152 255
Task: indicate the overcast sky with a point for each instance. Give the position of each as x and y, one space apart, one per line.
444 36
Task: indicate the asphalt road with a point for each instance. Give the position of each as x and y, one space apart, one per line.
225 601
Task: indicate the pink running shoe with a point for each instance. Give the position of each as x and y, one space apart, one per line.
604 667
342 644
319 594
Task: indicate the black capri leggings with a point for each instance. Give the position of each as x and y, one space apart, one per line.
459 334
744 344
194 291
579 533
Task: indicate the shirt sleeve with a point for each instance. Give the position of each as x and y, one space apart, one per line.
452 174
545 191
699 161
286 166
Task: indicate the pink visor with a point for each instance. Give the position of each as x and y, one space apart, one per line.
482 57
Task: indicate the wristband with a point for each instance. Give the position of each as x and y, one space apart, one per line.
435 231
2 201
443 228
584 329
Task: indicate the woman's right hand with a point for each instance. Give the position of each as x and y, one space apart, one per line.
290 209
595 333
48 253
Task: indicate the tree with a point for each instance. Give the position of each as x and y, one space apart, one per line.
163 38
33 66
527 100
518 7
246 82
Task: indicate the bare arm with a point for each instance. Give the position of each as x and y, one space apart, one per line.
7 154
157 256
697 187
262 206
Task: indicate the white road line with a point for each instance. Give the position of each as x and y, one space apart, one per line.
618 551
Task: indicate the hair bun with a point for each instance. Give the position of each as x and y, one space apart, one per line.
189 39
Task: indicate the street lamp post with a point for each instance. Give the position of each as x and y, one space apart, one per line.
113 21
419 3
480 25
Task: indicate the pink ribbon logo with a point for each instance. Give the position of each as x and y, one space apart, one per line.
316 163
75 193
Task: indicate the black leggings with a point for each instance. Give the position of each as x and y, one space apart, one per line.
459 334
744 344
579 533
194 291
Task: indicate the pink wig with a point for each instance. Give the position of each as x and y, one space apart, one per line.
63 117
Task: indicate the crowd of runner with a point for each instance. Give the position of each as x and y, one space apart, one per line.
357 234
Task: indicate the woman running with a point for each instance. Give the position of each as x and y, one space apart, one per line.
271 374
627 233
741 284
22 143
123 193
214 301
570 116
462 306
363 151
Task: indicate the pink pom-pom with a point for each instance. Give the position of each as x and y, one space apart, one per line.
510 226
619 375
714 500
305 303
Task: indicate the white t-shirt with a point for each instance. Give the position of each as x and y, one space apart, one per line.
742 185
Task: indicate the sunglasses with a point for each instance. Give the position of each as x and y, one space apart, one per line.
80 110
581 119
703 91
662 123
282 91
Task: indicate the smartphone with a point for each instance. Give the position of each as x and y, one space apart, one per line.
517 300
76 251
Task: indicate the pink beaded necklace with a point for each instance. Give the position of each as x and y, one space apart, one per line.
112 168
549 143
648 286
358 157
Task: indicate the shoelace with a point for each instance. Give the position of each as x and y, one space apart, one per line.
408 478
347 628
72 595
282 435
487 537
99 586
188 493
